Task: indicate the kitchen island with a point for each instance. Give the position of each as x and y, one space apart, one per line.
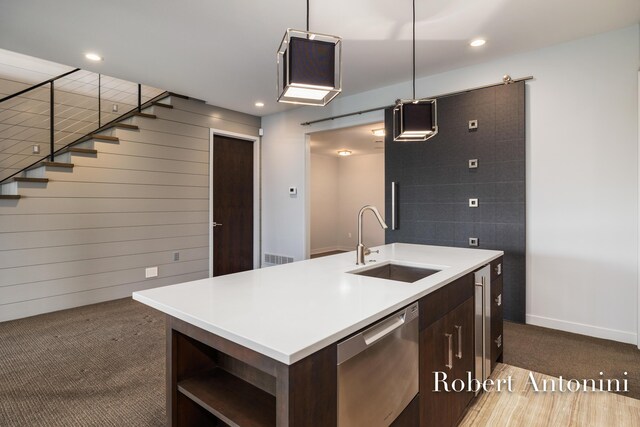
260 347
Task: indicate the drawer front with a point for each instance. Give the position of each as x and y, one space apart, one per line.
435 305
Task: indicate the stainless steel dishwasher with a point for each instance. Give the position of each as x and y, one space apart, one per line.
378 371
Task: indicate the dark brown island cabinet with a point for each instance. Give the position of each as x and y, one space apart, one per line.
212 381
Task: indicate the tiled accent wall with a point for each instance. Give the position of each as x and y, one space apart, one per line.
435 182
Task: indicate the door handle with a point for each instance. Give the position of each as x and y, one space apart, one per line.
215 224
459 337
394 226
449 361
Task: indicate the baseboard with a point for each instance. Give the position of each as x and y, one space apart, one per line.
22 309
582 329
323 250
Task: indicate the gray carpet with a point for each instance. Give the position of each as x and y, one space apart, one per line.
103 365
558 353
99 365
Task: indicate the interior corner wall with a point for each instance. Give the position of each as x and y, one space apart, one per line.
339 187
582 175
361 183
88 235
324 203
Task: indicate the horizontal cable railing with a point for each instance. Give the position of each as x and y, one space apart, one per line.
38 122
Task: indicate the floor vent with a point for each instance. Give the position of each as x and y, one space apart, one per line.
277 259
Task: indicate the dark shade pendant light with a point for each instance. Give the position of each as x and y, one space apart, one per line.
414 119
309 67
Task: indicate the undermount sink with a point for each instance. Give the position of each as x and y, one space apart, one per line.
402 273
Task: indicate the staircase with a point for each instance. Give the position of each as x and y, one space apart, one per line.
27 108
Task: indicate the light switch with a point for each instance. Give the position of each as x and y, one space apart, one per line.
473 203
473 163
474 241
293 191
473 124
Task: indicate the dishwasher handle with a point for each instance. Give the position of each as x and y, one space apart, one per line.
365 339
382 329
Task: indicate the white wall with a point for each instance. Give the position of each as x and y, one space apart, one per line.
339 187
324 203
361 183
582 177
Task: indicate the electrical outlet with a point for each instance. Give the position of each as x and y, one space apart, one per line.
473 203
293 191
473 163
150 272
176 256
473 124
474 241
35 149
114 108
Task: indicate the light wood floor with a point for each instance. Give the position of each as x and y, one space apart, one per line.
524 407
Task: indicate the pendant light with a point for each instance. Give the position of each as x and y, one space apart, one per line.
414 119
309 67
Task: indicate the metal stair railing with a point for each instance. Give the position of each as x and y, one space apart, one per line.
69 112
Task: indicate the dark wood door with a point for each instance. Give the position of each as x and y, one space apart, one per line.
232 205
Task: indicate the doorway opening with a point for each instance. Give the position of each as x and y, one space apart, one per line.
346 172
234 202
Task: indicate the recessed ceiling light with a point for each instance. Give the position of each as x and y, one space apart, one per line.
93 57
477 42
344 153
378 132
259 104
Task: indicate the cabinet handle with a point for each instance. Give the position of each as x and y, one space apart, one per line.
499 341
499 300
498 269
449 361
459 331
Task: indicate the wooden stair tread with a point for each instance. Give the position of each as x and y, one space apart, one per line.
146 115
125 126
177 95
58 165
160 104
29 179
105 138
9 196
82 150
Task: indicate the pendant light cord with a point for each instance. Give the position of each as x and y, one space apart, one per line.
308 15
414 46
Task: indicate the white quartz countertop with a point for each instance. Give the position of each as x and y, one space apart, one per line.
290 311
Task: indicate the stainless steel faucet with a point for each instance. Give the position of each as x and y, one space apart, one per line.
361 249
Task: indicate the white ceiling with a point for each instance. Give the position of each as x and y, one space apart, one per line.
357 139
224 51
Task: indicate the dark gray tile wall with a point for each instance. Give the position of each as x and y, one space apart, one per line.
435 182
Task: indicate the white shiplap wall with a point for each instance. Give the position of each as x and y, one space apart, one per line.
88 235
